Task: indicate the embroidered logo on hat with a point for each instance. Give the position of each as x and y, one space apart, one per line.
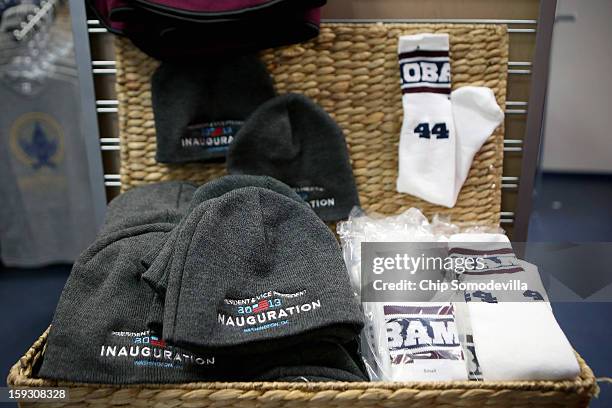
316 197
266 311
212 136
145 349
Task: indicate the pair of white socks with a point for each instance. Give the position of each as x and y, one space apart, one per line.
521 341
517 337
441 130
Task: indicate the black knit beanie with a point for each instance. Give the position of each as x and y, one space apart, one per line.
247 271
99 332
200 106
295 141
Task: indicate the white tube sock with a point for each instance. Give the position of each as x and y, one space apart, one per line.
476 115
521 341
427 141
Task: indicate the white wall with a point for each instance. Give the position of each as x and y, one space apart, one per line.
578 125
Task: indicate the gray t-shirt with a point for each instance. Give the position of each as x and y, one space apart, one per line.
46 211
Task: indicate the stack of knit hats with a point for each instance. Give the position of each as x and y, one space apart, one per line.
217 283
207 112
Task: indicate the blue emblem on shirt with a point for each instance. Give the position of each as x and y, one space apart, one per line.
40 148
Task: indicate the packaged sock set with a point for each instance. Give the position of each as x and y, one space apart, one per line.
410 340
518 320
217 283
502 335
442 130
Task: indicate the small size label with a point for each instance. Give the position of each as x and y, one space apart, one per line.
212 136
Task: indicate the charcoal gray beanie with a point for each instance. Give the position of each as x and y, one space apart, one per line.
218 187
167 200
99 334
255 270
199 107
294 140
158 260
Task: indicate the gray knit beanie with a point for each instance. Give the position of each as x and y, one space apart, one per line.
294 140
199 107
168 200
256 268
158 260
99 332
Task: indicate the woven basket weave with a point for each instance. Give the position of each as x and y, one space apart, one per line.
541 394
352 71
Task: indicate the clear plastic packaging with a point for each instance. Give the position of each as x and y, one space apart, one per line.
411 340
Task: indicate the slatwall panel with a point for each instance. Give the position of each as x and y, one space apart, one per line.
521 16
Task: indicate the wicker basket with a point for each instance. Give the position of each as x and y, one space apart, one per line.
352 71
542 394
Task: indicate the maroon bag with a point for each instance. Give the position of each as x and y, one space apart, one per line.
187 29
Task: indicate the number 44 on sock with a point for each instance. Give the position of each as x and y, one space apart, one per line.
439 130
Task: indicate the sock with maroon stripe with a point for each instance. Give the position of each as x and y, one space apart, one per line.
427 144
